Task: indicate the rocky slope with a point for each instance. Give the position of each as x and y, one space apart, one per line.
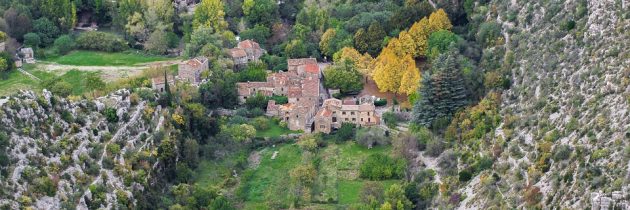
75 154
566 118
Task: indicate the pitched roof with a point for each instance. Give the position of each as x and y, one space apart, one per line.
312 68
247 44
310 87
237 53
325 112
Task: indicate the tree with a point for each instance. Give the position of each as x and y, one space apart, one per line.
18 24
61 88
4 66
136 27
343 76
190 153
333 40
46 29
32 40
363 63
375 35
263 12
255 72
167 153
439 20
63 12
258 33
395 74
442 93
361 40
411 77
157 42
296 49
159 14
219 91
210 13
396 196
440 41
420 32
64 44
372 193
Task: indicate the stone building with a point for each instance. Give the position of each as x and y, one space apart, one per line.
301 85
158 84
246 51
334 112
190 70
27 55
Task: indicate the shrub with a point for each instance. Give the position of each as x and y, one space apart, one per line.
32 40
381 167
261 123
390 119
110 115
380 102
101 41
370 136
64 44
562 152
280 99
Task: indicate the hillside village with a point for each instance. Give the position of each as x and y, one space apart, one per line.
294 104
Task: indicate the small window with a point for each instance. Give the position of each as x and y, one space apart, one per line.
346 119
286 118
343 113
361 119
352 113
354 119
369 119
334 119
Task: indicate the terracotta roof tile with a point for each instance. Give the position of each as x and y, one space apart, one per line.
312 68
237 53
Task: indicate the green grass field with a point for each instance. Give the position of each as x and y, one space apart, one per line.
93 58
270 181
337 183
274 130
15 81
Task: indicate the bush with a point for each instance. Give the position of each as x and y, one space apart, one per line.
110 115
380 102
32 40
390 119
280 99
562 152
381 167
370 136
101 41
64 44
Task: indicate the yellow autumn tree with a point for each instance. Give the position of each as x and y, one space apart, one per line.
362 62
210 13
410 80
439 20
388 71
420 32
408 45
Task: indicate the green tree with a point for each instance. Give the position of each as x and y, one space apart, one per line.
396 196
210 13
157 42
334 40
64 44
32 40
46 29
361 41
442 93
255 72
4 67
343 76
440 42
258 33
263 12
375 36
18 23
296 49
64 12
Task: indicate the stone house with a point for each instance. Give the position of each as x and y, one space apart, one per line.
246 51
158 84
190 70
301 85
27 55
334 112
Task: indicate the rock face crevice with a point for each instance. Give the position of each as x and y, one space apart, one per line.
66 144
570 90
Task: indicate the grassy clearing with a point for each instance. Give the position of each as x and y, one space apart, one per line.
352 154
274 130
93 58
269 182
349 190
16 81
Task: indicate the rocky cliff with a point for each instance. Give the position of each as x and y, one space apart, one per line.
566 119
75 154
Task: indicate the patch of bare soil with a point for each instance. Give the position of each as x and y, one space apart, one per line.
254 159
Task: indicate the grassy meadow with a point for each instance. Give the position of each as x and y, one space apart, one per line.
94 58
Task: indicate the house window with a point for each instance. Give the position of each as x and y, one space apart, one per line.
334 119
343 113
161 89
369 113
286 118
354 119
346 119
352 113
369 119
361 119
322 126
